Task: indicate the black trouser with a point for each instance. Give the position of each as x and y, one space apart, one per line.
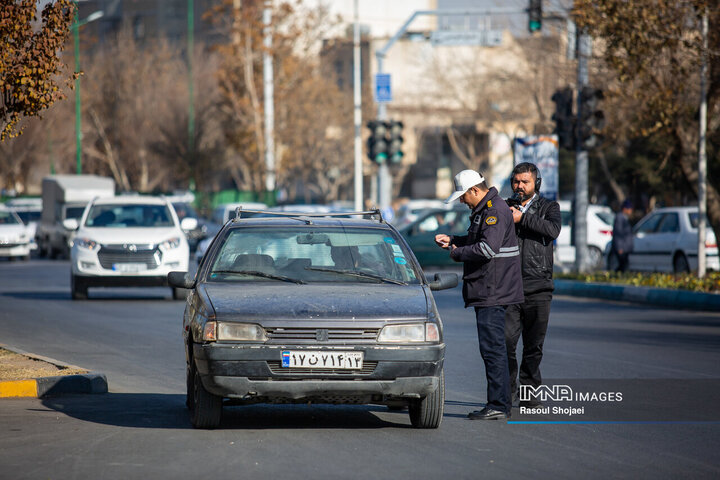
529 319
623 260
490 328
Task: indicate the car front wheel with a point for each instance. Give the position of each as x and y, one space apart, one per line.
79 289
428 412
207 408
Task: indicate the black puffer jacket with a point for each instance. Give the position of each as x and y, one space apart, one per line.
538 227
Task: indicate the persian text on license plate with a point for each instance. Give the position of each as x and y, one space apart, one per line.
321 359
129 267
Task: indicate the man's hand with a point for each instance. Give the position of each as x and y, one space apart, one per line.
517 214
442 240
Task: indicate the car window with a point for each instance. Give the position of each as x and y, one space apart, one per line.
28 216
566 218
695 219
669 223
184 210
606 217
74 212
131 215
649 225
311 254
7 218
449 221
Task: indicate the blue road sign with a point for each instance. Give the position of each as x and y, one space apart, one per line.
383 90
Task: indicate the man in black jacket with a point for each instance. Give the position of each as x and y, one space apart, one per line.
491 280
537 224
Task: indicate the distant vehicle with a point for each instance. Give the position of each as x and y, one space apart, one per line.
420 233
600 221
226 211
127 241
64 198
324 310
14 237
194 228
30 211
412 209
666 240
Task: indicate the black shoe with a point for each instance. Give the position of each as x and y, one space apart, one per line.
487 414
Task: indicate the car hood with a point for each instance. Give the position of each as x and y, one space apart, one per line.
113 236
11 232
303 302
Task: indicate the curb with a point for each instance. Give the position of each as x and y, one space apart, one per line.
91 382
659 297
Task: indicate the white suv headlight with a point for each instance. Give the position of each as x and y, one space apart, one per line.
87 243
170 243
409 333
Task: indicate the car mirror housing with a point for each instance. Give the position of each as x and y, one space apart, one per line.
188 224
444 281
71 224
181 280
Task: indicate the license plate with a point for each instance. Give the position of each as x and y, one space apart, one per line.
129 267
321 359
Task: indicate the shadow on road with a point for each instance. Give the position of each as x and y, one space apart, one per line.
168 411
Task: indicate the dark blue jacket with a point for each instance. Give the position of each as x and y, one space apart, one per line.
490 255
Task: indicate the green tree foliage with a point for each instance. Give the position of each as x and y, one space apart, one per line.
30 59
653 50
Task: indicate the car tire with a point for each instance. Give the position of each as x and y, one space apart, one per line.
207 408
78 288
595 258
190 382
680 263
428 412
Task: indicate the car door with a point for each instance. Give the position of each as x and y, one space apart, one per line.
666 241
421 235
641 257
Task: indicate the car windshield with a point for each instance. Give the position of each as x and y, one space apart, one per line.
130 215
8 218
308 254
28 216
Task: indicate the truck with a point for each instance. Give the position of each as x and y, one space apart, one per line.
64 198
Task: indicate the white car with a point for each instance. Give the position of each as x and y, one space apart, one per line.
127 241
666 240
29 210
14 236
600 221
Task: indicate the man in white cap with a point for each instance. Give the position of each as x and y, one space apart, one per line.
492 280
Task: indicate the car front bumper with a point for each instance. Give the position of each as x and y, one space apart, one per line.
16 250
253 373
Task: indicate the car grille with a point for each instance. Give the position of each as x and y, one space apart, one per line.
322 334
147 254
367 369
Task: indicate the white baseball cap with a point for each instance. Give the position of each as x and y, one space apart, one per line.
464 181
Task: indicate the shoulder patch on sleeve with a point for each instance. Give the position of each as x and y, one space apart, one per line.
491 220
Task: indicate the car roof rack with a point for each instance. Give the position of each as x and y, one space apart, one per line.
372 213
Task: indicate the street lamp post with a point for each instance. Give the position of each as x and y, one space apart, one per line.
78 110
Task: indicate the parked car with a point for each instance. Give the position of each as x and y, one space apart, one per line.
666 240
194 228
600 221
323 310
30 211
127 241
14 236
412 209
226 211
420 233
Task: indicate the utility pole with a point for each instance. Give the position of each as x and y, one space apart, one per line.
357 95
269 100
702 152
191 83
584 47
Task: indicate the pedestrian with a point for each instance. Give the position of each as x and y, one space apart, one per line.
622 241
537 225
491 280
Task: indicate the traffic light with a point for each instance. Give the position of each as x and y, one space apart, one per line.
535 16
563 117
395 152
377 146
591 118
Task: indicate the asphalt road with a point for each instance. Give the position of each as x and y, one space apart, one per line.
663 363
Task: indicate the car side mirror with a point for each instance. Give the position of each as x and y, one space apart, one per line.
188 223
180 280
444 281
71 224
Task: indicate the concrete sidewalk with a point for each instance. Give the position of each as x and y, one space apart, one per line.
91 382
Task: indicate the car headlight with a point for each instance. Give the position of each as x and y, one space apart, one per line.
170 243
416 332
241 332
87 243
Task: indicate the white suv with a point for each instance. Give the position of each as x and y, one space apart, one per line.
127 241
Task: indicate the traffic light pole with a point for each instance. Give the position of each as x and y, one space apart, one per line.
581 159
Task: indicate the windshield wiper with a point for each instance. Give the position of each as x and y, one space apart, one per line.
257 273
355 273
